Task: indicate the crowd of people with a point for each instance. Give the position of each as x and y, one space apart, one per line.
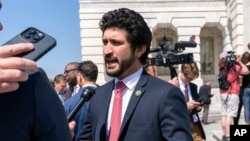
135 105
237 94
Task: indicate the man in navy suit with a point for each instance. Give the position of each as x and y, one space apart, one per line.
151 109
60 85
86 75
188 73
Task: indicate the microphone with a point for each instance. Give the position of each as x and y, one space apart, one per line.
154 50
86 94
185 44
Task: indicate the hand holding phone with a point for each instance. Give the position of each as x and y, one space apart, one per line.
42 42
200 101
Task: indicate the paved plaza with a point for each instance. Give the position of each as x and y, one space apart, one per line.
213 128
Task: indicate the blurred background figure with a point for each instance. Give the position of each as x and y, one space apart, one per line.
70 75
150 69
86 75
245 88
205 95
60 86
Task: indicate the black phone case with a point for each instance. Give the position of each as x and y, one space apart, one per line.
42 42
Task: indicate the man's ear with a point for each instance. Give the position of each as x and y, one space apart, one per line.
139 51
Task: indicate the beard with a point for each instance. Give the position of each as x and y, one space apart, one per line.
124 65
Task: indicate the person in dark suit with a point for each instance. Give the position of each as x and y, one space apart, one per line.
205 95
60 85
70 75
87 73
134 106
188 73
33 112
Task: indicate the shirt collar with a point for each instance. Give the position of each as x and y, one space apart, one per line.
182 84
131 80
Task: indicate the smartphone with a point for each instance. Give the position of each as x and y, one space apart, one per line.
200 100
42 42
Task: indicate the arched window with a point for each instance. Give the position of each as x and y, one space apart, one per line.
206 53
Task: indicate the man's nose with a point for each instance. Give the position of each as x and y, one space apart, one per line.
107 49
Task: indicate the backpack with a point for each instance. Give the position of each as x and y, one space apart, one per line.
222 79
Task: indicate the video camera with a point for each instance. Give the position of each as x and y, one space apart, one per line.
230 58
167 54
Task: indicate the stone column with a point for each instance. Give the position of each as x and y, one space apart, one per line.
235 10
226 39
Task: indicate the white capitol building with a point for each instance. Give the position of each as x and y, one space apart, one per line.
219 25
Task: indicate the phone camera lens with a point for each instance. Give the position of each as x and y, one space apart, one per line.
26 35
32 35
35 37
32 31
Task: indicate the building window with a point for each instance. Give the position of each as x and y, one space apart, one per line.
206 53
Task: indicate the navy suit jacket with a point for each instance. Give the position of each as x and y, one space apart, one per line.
33 112
81 114
195 96
205 93
159 113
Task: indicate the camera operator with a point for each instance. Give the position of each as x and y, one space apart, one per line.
230 96
188 73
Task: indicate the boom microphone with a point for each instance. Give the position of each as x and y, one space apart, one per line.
185 44
154 50
86 94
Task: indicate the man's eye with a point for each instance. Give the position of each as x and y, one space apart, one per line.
104 42
116 43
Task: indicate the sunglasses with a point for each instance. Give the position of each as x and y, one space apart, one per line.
68 71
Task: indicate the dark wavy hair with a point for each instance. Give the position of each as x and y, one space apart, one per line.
138 32
88 70
222 63
245 57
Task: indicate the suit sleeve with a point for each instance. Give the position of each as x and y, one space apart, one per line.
86 132
50 123
174 118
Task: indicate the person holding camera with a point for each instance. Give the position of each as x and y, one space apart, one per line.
230 96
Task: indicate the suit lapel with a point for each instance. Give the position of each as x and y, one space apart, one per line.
136 96
102 123
193 90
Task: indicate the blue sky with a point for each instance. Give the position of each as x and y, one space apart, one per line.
58 18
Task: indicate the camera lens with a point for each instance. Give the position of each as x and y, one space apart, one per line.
26 35
35 37
32 31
